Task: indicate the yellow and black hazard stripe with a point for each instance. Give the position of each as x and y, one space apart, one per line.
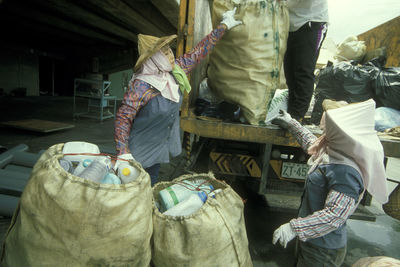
235 164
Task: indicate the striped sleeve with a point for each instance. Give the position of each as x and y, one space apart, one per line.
138 94
189 60
303 136
338 207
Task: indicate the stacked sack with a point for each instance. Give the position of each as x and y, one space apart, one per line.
66 220
211 233
245 65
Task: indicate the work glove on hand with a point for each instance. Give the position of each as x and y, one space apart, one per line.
229 20
122 158
282 119
284 234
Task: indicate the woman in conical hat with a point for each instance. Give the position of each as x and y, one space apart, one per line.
147 123
346 160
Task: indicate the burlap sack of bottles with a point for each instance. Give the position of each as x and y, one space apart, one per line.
65 220
377 261
245 65
392 207
215 235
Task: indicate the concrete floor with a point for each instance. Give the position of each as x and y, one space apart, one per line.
381 237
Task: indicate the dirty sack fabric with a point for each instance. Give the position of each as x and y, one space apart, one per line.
215 235
65 220
245 65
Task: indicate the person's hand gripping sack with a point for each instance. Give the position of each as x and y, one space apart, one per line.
284 234
282 119
228 18
123 158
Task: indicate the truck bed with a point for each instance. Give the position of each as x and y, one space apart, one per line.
269 134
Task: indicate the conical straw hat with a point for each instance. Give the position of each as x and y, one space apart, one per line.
148 45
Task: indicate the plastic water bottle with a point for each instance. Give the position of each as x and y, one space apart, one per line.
213 193
66 165
189 206
97 170
176 193
110 178
127 173
82 166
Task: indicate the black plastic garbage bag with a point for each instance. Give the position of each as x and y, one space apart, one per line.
343 81
386 85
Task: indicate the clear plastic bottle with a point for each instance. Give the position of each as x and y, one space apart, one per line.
97 170
176 193
83 164
66 165
189 206
127 173
111 178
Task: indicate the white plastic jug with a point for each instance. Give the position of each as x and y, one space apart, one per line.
127 173
73 151
189 206
176 193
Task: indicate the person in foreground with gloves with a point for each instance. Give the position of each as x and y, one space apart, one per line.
345 160
147 123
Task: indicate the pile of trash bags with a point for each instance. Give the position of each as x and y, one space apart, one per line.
351 82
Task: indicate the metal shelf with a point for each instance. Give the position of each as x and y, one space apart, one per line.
98 104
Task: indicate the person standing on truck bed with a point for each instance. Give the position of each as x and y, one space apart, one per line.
147 123
307 30
346 160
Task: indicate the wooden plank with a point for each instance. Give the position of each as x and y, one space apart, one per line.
35 125
385 35
190 16
85 17
238 132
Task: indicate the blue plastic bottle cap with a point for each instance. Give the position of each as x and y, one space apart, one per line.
86 162
202 196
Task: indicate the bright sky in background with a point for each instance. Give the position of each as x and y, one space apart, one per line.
353 17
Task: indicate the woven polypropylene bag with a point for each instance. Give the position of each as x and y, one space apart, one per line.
215 235
245 64
65 220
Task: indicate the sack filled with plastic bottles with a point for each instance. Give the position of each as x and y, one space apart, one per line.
198 221
67 220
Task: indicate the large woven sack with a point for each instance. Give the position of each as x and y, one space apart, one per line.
65 220
245 64
377 261
214 236
392 207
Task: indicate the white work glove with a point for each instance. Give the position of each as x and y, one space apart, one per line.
122 158
284 234
282 119
229 20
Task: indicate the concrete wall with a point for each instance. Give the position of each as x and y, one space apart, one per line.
119 80
19 70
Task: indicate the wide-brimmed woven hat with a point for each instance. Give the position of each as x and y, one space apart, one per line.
148 45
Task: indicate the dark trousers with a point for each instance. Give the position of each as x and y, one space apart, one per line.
153 172
301 55
313 256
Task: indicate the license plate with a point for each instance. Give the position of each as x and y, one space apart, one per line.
294 170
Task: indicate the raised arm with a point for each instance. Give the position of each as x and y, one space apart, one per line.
135 98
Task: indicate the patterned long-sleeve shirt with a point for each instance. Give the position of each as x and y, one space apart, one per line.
140 93
342 185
